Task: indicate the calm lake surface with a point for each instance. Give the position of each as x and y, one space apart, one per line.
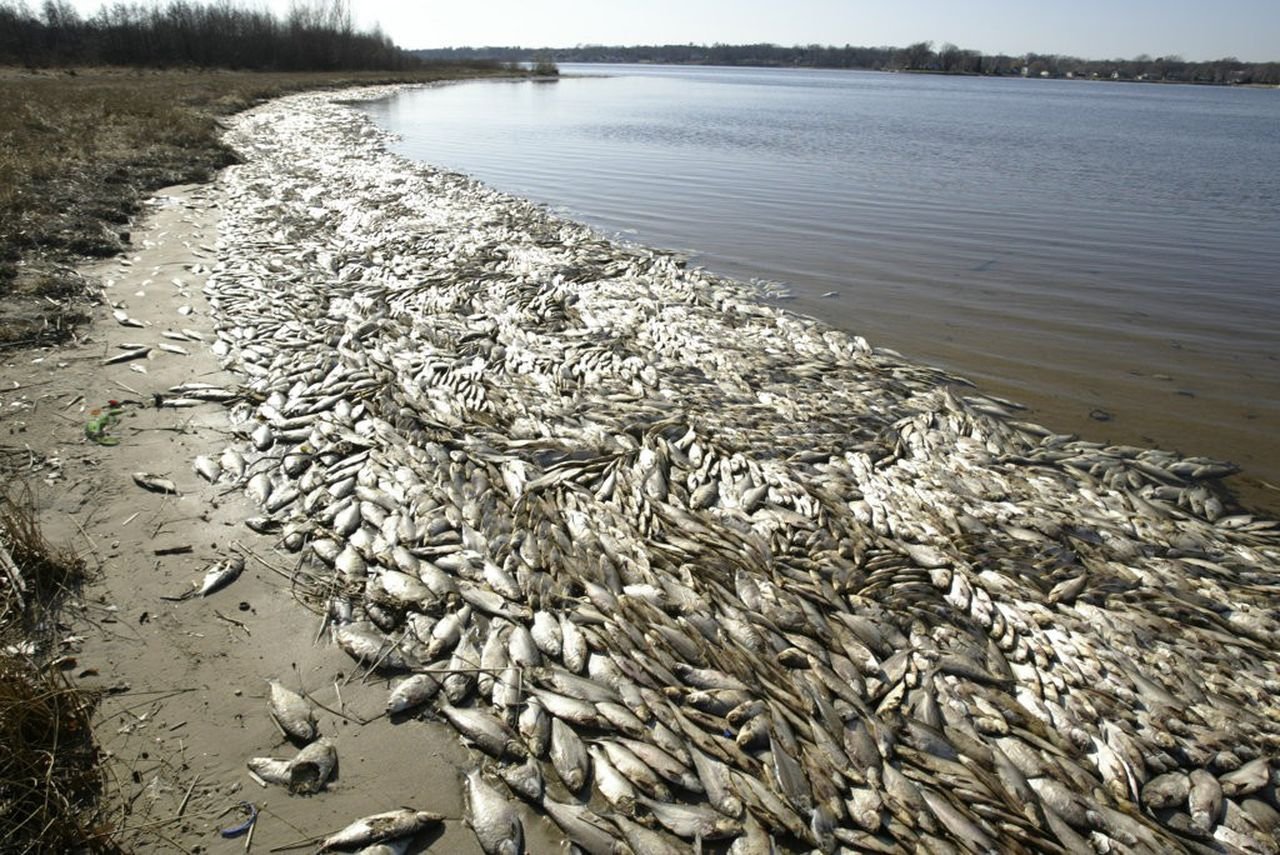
1087 249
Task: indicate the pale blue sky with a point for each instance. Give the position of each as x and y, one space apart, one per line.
1100 29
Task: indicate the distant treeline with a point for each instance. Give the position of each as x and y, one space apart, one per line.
316 36
921 56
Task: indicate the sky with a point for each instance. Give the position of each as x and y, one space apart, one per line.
1093 29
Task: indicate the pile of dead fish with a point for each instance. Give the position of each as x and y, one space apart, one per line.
690 568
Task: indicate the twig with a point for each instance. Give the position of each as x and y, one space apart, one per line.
182 807
26 386
355 718
232 620
248 841
298 844
324 623
92 546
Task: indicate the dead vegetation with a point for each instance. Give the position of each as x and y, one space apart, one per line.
81 148
51 779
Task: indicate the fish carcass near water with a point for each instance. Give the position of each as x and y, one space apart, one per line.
732 574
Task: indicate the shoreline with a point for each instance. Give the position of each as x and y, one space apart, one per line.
515 390
1031 309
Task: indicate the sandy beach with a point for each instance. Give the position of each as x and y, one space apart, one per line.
186 681
546 391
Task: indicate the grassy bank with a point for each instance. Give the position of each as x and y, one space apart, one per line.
81 148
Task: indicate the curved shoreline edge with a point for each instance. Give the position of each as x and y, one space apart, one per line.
703 483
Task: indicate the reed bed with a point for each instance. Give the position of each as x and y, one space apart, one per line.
52 783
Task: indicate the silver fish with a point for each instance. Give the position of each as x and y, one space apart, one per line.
220 575
380 827
291 711
413 691
645 840
271 769
487 732
494 821
690 821
524 779
311 768
568 755
583 827
535 727
611 783
635 770
155 483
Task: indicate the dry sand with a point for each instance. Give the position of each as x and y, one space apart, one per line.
186 703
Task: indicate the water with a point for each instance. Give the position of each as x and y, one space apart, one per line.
1107 254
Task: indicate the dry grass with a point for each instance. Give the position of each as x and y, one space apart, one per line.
35 575
51 778
80 149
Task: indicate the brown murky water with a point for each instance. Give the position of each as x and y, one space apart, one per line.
1105 254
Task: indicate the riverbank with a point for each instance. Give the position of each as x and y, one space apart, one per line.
845 597
84 147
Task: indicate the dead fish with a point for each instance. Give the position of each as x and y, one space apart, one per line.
524 779
956 821
233 463
389 847
645 840
663 764
573 645
155 483
1067 591
123 319
270 770
207 468
220 575
568 755
753 841
447 631
264 525
581 713
310 770
546 634
1248 779
291 711
1169 790
717 783
611 783
369 647
494 821
535 727
380 827
1204 800
583 827
690 821
459 683
412 692
635 770
486 731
